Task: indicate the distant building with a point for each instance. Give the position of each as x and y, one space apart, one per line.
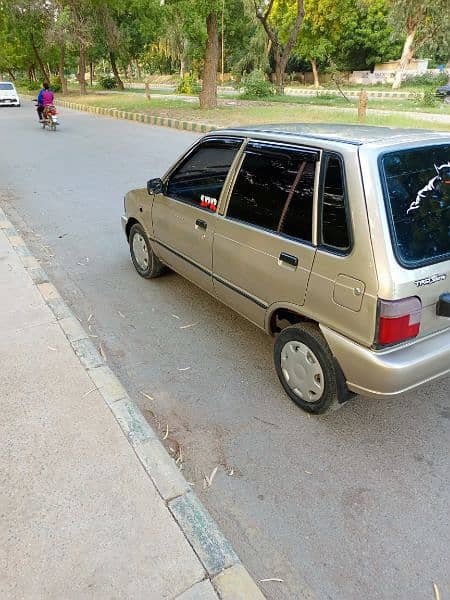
385 72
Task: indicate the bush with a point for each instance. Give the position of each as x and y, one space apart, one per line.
255 85
55 84
427 80
33 86
427 98
107 82
188 85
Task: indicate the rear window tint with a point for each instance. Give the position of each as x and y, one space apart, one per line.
6 86
417 190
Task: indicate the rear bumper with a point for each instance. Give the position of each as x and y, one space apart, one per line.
389 373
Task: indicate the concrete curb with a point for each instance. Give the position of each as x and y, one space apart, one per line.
228 577
140 117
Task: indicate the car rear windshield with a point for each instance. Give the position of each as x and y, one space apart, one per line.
417 192
6 86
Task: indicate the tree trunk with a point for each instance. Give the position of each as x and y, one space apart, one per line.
138 70
315 73
81 75
280 68
62 53
208 95
44 72
183 59
11 74
407 55
115 70
91 73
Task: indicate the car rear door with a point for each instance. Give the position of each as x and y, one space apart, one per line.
184 216
264 246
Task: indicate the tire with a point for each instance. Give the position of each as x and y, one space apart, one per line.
145 261
314 380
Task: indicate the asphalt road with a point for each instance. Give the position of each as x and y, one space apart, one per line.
347 506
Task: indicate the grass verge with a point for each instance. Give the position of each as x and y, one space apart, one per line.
234 112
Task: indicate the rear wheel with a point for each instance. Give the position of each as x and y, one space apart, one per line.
145 261
307 370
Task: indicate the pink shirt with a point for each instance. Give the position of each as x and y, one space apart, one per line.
47 97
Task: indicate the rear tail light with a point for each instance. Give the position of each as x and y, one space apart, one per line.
398 320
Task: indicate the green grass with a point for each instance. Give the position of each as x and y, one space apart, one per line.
408 105
306 110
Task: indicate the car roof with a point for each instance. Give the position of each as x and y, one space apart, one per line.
349 134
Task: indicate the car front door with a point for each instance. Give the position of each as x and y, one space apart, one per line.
184 216
263 246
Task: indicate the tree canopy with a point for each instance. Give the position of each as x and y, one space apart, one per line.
119 38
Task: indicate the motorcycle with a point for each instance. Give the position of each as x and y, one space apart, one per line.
49 117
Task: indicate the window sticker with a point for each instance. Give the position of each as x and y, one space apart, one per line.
434 185
208 202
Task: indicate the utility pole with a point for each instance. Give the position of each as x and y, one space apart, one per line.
223 61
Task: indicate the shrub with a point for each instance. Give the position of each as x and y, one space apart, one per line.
429 98
33 86
427 79
107 82
255 85
55 84
188 85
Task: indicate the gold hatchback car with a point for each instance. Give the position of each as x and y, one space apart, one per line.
333 239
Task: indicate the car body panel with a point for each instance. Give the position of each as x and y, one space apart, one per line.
182 244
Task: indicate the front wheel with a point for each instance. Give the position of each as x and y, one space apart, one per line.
145 261
306 368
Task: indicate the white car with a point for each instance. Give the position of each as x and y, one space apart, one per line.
8 94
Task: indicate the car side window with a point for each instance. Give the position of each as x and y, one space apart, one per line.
274 190
200 177
334 218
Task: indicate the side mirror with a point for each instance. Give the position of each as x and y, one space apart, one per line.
155 186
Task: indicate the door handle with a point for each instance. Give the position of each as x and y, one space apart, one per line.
289 259
200 224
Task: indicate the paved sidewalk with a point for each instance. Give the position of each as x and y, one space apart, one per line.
80 517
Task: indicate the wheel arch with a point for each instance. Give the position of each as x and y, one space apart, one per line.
280 317
131 221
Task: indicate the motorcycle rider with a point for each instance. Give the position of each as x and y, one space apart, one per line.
45 98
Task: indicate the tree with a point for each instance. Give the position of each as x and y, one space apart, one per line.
209 12
421 23
59 34
27 24
281 20
321 30
367 37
